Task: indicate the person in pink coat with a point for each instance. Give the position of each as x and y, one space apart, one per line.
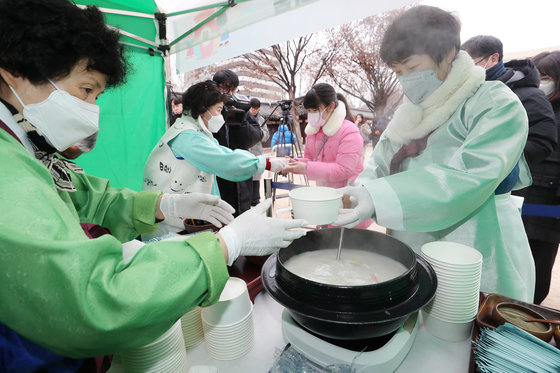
333 149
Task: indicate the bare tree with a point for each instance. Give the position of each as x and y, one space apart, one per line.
358 70
282 63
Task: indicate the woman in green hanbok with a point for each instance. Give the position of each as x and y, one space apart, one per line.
444 167
61 292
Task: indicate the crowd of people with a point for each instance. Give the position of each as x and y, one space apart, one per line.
471 131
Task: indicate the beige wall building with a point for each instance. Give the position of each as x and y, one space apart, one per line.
251 83
528 53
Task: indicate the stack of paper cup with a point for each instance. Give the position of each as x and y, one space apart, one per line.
165 355
228 324
458 268
191 324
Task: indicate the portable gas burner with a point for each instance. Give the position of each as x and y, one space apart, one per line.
381 354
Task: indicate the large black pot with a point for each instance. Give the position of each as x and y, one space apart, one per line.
350 312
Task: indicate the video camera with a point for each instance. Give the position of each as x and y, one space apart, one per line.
285 104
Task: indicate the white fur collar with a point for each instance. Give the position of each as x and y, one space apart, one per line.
412 122
333 124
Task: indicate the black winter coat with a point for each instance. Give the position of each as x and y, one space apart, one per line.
545 190
237 134
523 78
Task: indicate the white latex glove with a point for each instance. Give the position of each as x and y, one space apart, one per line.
251 233
277 164
178 207
361 207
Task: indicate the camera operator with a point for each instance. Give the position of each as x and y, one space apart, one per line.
235 134
253 117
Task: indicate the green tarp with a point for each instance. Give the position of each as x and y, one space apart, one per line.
133 115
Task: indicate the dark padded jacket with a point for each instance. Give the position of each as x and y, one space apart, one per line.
523 78
237 134
545 190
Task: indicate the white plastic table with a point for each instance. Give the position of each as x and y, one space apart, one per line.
428 353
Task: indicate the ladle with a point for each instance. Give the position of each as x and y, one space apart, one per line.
529 319
340 243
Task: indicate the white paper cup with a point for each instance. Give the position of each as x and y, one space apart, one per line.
165 354
446 330
230 330
230 341
233 306
452 253
316 205
191 324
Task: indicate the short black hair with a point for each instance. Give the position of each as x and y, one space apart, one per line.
320 93
226 79
177 98
255 103
200 97
45 39
421 30
484 46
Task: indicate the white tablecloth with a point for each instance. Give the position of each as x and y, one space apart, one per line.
428 354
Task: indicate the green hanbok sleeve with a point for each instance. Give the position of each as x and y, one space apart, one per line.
124 212
76 296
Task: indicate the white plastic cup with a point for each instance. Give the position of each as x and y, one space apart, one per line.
317 205
233 306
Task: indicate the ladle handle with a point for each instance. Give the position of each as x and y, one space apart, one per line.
529 319
340 243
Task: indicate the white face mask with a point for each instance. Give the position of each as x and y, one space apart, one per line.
215 123
547 86
417 86
86 145
63 119
316 120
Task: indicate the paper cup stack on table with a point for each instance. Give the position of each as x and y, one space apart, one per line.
315 205
458 268
228 324
165 354
191 323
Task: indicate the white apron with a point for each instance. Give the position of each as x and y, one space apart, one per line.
163 171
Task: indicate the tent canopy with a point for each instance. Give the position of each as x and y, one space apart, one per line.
198 33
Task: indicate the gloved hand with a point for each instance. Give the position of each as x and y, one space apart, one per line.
251 233
296 167
277 164
361 207
178 207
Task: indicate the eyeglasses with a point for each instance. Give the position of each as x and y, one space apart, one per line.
482 59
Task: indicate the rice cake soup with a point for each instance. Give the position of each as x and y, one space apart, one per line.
354 268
